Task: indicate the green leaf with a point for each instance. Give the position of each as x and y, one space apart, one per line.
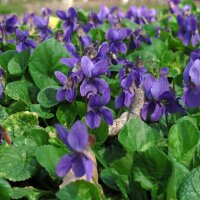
19 91
17 162
138 136
19 62
47 97
5 189
3 114
41 111
45 60
66 114
189 189
29 192
37 135
5 58
121 169
48 157
101 134
178 174
79 190
18 123
183 140
152 169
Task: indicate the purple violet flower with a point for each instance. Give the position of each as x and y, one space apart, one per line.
68 91
160 99
42 24
92 84
23 41
70 18
192 80
96 109
116 37
188 29
76 140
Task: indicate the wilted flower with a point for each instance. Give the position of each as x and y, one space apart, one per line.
76 140
191 96
96 109
22 40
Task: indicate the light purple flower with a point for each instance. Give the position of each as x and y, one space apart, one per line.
76 140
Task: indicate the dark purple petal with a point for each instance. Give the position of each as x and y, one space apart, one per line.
101 85
95 101
87 66
122 47
157 114
87 87
78 137
62 78
88 166
72 12
70 95
195 39
100 68
148 82
144 111
61 14
60 95
119 102
64 165
127 82
186 76
191 97
78 167
107 115
63 133
93 119
67 61
129 97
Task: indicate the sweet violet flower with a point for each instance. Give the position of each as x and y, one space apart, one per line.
188 29
92 84
70 18
68 90
22 40
191 96
116 37
42 24
76 140
96 109
141 15
161 100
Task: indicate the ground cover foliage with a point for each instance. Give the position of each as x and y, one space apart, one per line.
101 105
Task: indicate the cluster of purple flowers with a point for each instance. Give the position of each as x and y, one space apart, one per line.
188 23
